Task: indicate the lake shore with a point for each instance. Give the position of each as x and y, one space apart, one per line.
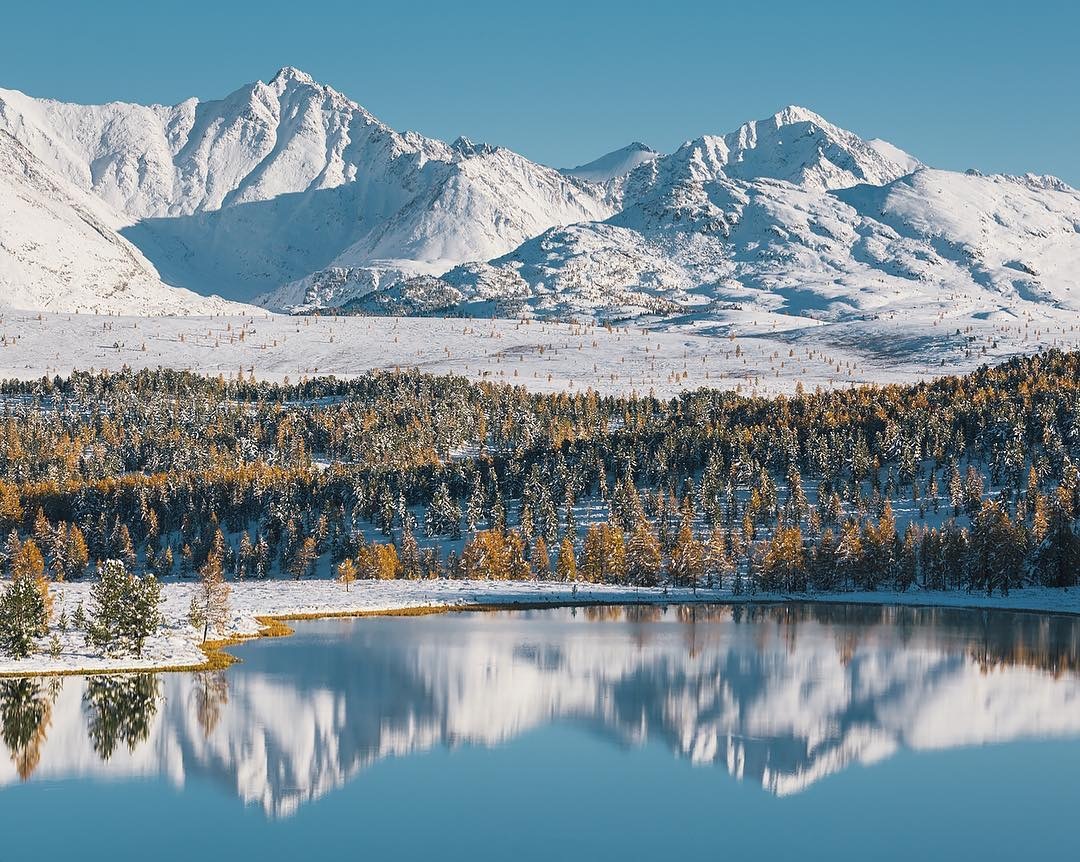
259 608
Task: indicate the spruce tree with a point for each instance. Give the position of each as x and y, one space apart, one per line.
23 617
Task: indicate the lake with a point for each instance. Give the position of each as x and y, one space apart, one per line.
781 731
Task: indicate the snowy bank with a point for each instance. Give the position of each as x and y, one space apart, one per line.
254 603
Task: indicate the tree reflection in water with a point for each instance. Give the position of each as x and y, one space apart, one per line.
211 693
25 715
120 709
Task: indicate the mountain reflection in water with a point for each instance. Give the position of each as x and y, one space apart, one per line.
780 695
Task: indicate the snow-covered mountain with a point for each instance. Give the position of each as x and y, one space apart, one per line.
290 194
290 187
793 215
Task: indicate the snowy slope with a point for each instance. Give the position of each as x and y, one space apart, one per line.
261 141
59 250
485 198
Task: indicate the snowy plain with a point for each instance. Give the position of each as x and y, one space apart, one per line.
752 353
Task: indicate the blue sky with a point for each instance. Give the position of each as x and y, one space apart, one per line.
959 84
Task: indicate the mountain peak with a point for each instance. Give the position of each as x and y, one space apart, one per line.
798 114
799 146
290 74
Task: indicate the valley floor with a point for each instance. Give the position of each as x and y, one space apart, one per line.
177 646
751 351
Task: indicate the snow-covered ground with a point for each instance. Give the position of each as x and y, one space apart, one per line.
178 643
764 353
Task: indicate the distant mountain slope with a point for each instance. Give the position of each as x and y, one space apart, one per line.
617 163
59 252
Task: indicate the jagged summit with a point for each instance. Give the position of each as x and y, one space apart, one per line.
798 114
467 147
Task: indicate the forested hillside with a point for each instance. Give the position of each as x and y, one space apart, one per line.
961 482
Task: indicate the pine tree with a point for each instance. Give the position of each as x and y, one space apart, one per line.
956 490
1057 557
996 551
569 520
783 564
166 563
591 568
410 554
77 556
823 563
716 561
850 563
303 559
142 617
12 548
614 553
43 532
443 517
125 549
880 546
23 617
378 561
973 491
474 509
125 610
243 557
686 563
11 510
28 564
517 567
907 571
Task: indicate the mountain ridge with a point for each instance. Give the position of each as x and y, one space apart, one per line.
290 194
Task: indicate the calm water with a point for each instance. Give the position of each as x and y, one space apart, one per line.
786 732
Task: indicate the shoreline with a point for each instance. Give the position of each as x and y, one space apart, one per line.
265 609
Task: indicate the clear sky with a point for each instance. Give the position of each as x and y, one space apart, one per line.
959 84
